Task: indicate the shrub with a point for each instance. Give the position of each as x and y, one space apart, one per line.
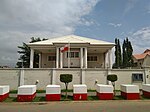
66 78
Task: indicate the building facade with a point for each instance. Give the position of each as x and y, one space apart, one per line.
142 60
82 53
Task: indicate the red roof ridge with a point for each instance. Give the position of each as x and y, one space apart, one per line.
143 55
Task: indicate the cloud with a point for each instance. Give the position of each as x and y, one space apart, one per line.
130 5
115 25
22 19
141 40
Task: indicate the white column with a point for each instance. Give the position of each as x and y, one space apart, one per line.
81 57
82 76
31 58
61 60
21 79
57 57
110 58
106 60
85 56
53 76
40 60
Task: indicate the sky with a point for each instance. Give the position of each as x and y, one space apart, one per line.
99 19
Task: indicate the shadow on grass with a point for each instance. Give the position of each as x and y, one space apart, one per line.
118 97
13 92
39 99
92 98
142 97
10 99
69 98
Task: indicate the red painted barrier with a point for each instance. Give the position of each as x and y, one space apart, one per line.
80 96
130 96
53 97
3 97
105 96
26 98
146 94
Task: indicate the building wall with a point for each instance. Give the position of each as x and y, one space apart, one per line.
46 63
76 77
96 64
74 62
146 61
43 75
16 77
125 76
10 77
92 76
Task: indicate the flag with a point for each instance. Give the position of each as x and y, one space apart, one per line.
64 48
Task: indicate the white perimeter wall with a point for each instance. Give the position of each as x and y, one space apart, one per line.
16 77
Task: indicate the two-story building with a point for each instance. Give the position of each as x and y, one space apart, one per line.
82 53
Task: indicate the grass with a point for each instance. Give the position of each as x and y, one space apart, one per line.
144 98
13 92
40 91
64 90
44 91
10 99
38 99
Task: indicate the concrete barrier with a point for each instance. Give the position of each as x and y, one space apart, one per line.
26 93
4 92
104 92
146 90
80 92
53 92
130 92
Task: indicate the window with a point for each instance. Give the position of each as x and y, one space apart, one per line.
137 77
92 58
51 58
73 54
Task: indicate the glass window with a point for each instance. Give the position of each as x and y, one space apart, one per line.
51 58
137 77
92 58
76 54
73 54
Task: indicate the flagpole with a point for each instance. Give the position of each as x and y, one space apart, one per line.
69 54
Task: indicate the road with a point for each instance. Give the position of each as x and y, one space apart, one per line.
81 106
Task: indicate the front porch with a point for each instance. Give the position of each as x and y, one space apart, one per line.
80 57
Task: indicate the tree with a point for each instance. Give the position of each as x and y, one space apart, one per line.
127 53
66 78
24 59
118 56
112 78
124 54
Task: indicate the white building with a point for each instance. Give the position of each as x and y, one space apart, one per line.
84 53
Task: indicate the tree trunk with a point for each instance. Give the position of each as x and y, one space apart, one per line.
66 84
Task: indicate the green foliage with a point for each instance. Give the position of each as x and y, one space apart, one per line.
127 53
66 78
124 59
112 77
24 59
118 57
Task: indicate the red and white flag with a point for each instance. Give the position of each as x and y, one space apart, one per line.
65 48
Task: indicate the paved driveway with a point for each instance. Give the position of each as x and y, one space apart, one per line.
82 106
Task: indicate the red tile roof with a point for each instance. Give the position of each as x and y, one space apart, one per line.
143 55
